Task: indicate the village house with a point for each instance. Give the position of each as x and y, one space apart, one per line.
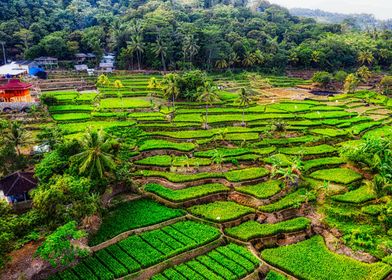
15 187
47 62
15 91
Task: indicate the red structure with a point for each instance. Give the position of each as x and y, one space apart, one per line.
15 91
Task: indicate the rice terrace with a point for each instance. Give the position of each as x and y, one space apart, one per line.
270 159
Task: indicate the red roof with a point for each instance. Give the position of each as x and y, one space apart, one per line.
15 84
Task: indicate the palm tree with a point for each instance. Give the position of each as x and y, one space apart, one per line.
95 157
208 95
221 64
233 59
190 47
364 74
153 84
248 60
160 50
365 57
103 80
217 157
16 135
136 46
170 87
245 98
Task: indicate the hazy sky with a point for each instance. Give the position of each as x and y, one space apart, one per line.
382 9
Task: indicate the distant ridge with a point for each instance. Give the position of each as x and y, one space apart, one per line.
359 21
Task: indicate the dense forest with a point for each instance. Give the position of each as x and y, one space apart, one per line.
173 35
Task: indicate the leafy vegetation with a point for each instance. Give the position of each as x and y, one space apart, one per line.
220 211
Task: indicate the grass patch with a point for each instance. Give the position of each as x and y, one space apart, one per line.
311 260
337 175
185 194
220 211
263 190
118 103
309 164
294 199
252 229
166 160
131 215
155 144
360 195
71 117
308 150
331 132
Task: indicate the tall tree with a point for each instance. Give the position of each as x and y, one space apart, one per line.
136 46
245 98
208 95
169 86
96 157
17 135
160 50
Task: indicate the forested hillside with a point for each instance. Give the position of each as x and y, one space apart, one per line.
157 34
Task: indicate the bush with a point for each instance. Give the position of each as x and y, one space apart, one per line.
386 85
322 78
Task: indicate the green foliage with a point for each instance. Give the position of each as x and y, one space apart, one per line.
187 193
338 175
273 275
263 190
58 247
302 258
322 78
386 85
252 229
360 195
152 144
294 199
71 197
220 211
230 261
131 215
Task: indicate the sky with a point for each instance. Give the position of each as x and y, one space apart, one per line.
382 9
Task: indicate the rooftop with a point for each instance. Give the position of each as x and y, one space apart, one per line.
18 183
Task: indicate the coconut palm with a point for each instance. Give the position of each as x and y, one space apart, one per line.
244 99
248 60
16 135
169 86
95 157
103 80
160 50
364 74
221 64
233 59
365 57
153 84
136 46
208 95
190 47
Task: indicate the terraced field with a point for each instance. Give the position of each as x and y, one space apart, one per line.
271 199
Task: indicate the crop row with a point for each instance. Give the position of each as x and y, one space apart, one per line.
225 262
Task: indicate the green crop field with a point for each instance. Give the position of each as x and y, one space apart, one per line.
218 190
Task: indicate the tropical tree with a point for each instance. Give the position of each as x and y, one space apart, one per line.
350 83
386 85
233 59
208 95
190 47
221 64
244 99
118 85
96 157
248 60
136 46
160 50
169 86
153 84
364 74
16 135
103 80
60 248
365 57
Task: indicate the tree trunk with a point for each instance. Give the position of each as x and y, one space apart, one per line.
243 117
163 62
206 116
173 101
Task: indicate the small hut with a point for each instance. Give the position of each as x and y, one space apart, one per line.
15 91
16 186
